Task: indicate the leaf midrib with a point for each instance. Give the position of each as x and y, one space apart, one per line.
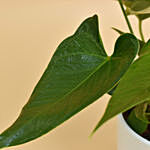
37 114
77 86
107 59
74 54
94 71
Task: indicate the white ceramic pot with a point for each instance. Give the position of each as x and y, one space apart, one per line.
128 139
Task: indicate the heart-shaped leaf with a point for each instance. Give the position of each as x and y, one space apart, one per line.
78 74
133 89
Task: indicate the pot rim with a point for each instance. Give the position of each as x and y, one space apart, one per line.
132 132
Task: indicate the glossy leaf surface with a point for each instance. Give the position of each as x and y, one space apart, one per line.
78 74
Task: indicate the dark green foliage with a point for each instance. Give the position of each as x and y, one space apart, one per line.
78 74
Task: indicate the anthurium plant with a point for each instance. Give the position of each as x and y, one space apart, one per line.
80 72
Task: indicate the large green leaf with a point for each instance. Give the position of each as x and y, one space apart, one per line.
133 89
78 74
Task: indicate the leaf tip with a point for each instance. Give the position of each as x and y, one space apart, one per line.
92 134
94 130
95 16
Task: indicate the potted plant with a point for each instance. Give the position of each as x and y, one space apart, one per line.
80 72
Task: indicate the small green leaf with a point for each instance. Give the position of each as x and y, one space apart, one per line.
140 8
140 12
137 125
137 5
133 89
78 74
140 112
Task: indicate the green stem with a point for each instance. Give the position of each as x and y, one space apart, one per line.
125 15
141 31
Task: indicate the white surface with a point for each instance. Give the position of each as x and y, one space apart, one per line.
128 139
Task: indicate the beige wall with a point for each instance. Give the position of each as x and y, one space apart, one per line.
30 31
